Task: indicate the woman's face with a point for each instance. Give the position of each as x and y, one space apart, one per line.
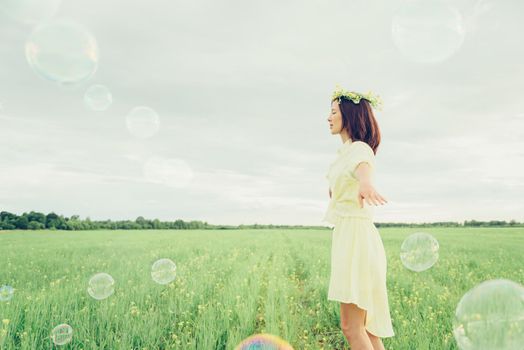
335 118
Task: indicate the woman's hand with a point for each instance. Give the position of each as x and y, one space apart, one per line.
367 192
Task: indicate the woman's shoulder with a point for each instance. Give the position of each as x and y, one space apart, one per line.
359 142
361 146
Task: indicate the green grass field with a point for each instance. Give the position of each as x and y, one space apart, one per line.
230 285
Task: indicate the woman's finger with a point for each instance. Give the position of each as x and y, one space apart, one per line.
375 199
380 199
372 198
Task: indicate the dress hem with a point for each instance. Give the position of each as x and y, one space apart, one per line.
361 306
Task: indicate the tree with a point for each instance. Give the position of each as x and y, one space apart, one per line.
51 220
36 216
35 225
21 223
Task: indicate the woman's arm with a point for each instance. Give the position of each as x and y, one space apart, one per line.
366 190
363 172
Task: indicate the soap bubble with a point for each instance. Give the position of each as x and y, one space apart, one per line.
101 286
62 51
419 251
491 316
142 122
62 334
30 11
264 341
163 271
98 97
6 293
427 31
171 172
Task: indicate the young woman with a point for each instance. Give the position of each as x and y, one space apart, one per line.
358 259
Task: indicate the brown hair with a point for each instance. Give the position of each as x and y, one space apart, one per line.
360 122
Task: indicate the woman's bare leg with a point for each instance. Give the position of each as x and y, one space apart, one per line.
377 343
352 323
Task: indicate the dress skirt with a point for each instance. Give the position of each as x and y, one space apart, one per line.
358 272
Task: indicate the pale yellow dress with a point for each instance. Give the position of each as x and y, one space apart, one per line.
358 258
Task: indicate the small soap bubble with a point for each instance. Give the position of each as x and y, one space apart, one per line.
98 97
142 122
490 316
163 271
62 51
6 293
419 251
62 334
264 341
101 286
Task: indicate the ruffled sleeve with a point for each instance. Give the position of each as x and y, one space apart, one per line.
361 152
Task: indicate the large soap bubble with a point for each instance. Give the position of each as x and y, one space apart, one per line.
62 334
163 271
427 31
264 341
101 286
98 97
491 316
171 172
419 251
62 51
142 122
6 293
30 11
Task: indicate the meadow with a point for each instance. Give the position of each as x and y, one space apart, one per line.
230 284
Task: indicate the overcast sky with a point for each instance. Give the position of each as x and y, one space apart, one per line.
242 90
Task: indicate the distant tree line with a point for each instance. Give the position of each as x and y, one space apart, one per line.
471 223
39 221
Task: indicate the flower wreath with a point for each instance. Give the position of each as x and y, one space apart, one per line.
373 99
